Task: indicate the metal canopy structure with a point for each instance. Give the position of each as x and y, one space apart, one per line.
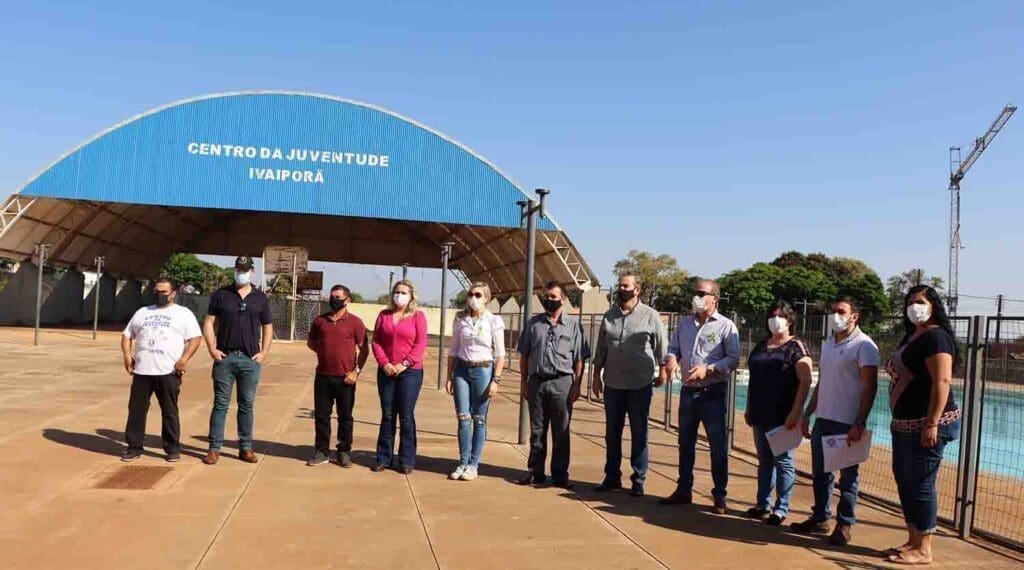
230 174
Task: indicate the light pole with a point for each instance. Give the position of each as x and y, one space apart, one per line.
446 252
96 295
531 209
41 257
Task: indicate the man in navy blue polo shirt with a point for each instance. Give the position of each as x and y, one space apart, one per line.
238 330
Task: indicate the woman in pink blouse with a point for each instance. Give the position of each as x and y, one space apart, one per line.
399 344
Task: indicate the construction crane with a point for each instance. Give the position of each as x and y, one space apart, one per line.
957 169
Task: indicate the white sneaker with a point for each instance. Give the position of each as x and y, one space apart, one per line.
458 473
469 473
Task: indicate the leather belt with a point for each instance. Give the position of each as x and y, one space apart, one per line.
471 364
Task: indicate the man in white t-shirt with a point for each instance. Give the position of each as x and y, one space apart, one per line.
165 336
842 400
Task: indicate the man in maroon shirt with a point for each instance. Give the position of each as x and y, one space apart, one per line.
336 337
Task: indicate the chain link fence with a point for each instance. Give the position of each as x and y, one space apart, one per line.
981 481
281 307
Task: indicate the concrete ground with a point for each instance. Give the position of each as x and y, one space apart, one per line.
64 501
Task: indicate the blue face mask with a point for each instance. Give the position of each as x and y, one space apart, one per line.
243 278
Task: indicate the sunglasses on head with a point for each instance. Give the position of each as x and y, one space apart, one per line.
703 294
242 307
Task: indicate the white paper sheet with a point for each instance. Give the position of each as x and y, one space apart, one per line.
782 440
838 454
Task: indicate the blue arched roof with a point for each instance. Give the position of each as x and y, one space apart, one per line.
286 152
237 172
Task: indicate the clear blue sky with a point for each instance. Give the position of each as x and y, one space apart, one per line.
722 133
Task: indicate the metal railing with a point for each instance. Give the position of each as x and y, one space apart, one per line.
981 481
281 307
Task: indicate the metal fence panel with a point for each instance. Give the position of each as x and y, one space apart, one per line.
999 505
996 502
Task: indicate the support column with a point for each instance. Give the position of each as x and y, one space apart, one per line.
295 292
41 256
96 300
446 252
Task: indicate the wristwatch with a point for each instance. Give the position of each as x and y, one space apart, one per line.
406 363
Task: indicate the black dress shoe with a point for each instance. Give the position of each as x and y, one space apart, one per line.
607 486
677 498
405 469
378 467
637 490
756 513
567 485
532 479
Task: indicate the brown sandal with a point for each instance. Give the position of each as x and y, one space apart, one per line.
898 559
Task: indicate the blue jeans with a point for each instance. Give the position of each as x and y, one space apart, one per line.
235 369
618 404
916 468
398 397
824 483
706 407
470 387
773 471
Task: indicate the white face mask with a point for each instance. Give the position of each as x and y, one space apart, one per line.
838 323
919 313
401 299
778 325
475 303
243 277
699 304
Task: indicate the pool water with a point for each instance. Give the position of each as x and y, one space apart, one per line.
1002 433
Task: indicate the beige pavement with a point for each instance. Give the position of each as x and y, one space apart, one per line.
62 412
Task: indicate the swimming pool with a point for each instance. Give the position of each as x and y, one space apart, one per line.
1002 433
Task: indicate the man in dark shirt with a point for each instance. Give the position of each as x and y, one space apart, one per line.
238 330
552 350
335 337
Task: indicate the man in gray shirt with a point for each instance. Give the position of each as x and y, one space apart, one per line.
552 352
630 350
707 347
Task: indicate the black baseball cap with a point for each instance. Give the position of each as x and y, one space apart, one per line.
243 263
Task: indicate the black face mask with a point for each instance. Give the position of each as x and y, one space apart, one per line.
626 295
337 304
162 299
551 305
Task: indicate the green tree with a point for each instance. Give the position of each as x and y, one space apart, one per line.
187 269
798 283
896 287
849 277
660 275
383 299
356 298
815 277
751 290
6 264
459 300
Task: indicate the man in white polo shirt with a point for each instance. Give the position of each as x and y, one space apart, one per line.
848 380
165 336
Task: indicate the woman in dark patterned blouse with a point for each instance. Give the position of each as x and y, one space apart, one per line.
925 417
780 377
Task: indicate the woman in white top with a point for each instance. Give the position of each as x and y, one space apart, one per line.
476 359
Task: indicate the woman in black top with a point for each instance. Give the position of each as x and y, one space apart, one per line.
780 377
925 417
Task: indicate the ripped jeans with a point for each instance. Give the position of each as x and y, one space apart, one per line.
470 387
